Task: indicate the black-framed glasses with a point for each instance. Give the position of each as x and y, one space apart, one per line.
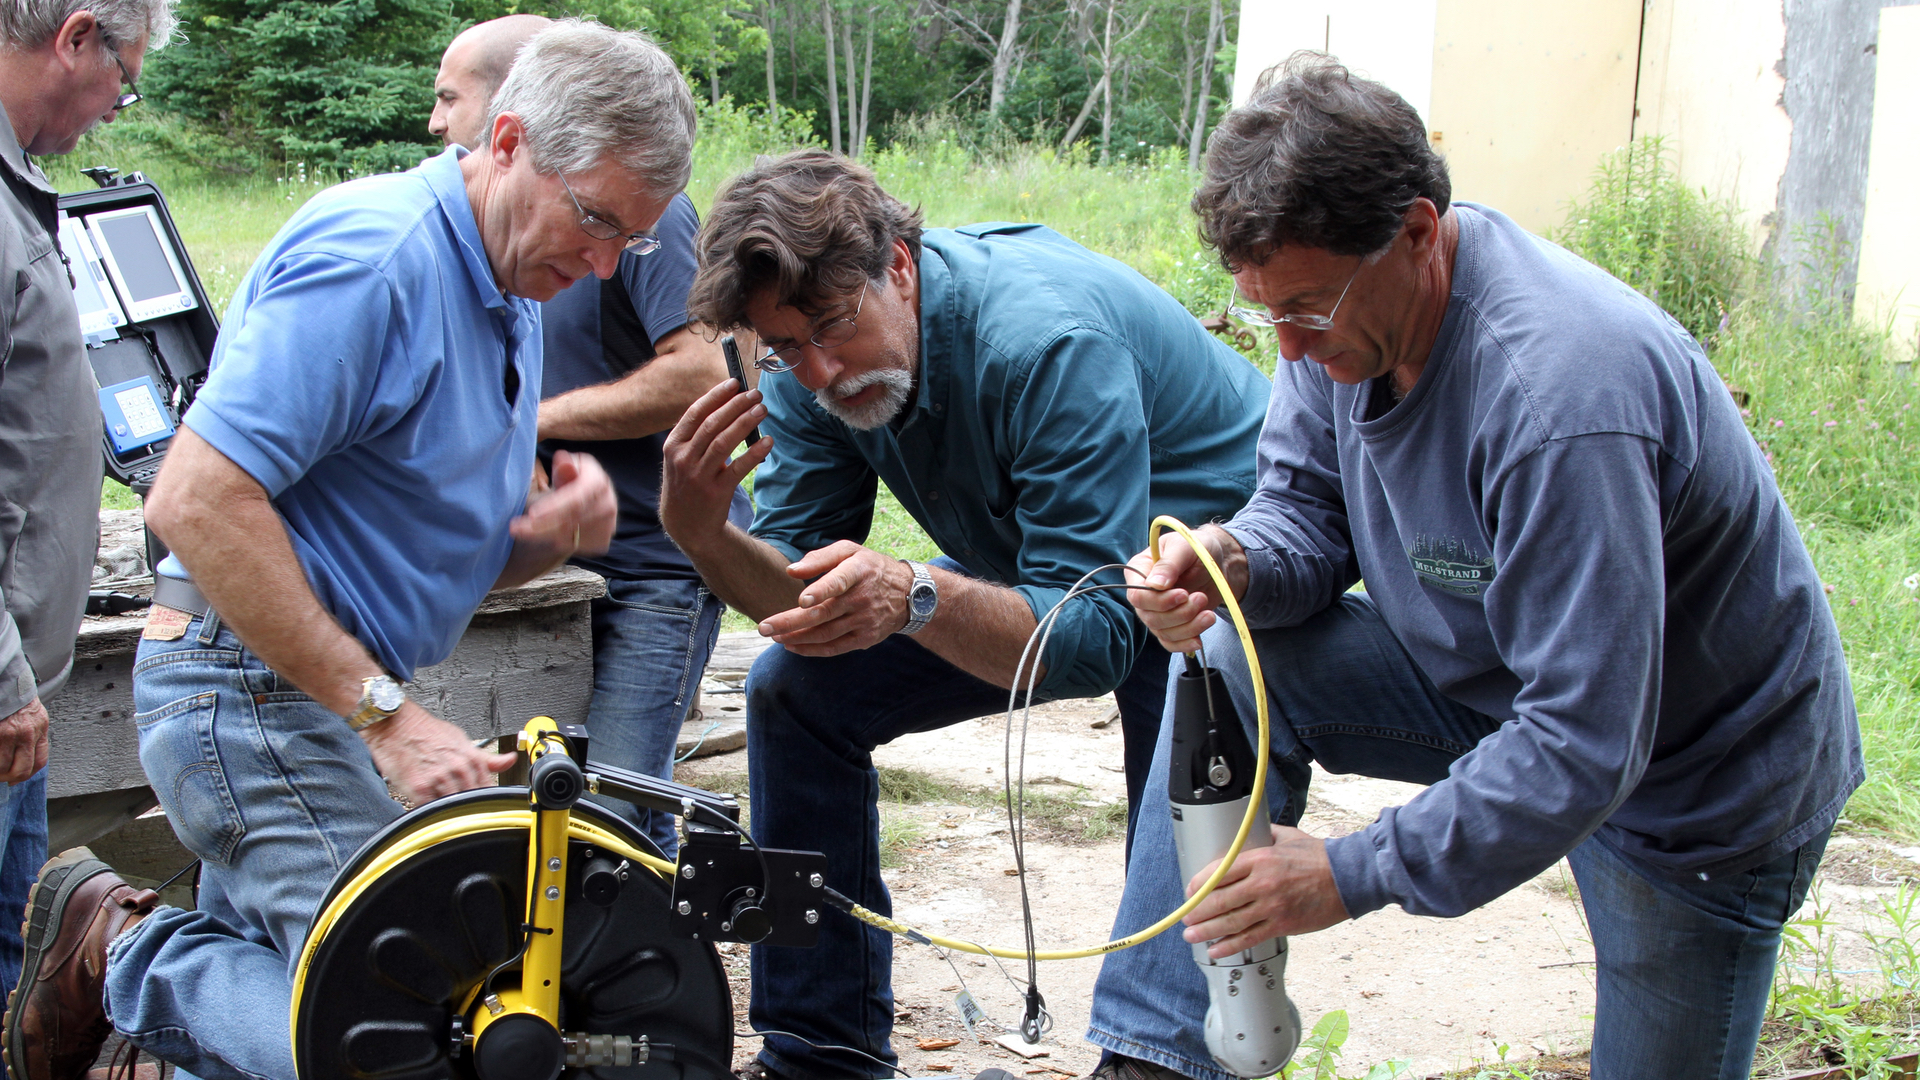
640 243
1240 308
133 96
832 333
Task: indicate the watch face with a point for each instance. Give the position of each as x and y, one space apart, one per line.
922 597
386 695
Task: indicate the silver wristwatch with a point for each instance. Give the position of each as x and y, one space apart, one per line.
922 598
380 697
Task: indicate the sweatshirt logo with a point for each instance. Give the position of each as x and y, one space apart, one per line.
1448 563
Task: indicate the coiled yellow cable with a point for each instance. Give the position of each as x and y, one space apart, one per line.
1256 808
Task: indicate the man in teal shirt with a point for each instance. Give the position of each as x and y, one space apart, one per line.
1033 405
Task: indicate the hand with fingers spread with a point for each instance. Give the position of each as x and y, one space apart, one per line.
856 597
23 743
425 758
1269 892
700 472
576 512
1177 596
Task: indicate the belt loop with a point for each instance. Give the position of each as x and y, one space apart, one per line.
209 627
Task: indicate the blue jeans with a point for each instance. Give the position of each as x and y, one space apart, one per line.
651 642
811 727
1683 968
23 848
274 793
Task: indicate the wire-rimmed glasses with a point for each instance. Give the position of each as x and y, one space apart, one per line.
1238 307
133 96
640 243
832 333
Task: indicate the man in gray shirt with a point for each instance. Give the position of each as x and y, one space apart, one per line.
62 66
1589 622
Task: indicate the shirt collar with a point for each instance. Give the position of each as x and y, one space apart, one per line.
937 327
16 158
449 184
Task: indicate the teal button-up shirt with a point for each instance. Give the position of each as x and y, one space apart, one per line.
1063 401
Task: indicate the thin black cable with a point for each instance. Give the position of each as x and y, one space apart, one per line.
1037 1020
820 1046
527 927
182 872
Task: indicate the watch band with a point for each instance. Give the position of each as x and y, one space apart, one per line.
922 598
373 691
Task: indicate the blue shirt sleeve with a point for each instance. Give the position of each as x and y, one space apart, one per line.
1577 612
280 396
1294 529
659 282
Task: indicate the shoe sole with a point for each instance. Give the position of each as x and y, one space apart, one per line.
46 906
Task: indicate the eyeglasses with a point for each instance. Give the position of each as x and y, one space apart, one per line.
833 333
1237 306
640 243
133 96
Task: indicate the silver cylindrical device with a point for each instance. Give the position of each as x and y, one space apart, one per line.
1252 1027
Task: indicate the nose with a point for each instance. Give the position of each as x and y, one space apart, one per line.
818 367
1294 340
604 257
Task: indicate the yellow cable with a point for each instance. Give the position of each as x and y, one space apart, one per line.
1256 807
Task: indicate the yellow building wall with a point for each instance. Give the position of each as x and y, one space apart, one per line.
1527 97
1889 281
1709 85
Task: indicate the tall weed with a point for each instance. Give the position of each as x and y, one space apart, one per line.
1678 246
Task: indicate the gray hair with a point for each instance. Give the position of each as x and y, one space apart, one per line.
29 24
586 94
1317 157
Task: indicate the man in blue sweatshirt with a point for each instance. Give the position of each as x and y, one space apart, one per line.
1589 622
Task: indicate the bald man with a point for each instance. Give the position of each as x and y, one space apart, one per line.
622 364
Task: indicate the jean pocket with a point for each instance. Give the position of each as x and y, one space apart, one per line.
182 762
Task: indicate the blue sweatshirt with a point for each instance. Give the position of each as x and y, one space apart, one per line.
1063 400
1570 530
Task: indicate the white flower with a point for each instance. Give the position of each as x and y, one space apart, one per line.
1912 582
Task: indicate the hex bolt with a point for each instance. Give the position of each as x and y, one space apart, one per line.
751 893
684 908
726 928
687 871
553 892
815 880
813 917
553 863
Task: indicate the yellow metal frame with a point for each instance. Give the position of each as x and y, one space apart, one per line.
555 829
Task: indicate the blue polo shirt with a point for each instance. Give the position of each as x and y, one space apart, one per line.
376 382
1063 401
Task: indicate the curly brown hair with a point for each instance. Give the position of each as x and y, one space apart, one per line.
811 225
1317 157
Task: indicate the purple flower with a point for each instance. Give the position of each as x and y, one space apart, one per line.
1779 423
1831 424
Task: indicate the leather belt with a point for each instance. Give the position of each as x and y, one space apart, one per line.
179 595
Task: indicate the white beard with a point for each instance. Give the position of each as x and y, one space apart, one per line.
898 389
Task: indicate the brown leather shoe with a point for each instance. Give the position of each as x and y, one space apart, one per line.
56 1020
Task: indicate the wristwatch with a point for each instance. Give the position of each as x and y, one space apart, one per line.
380 698
922 598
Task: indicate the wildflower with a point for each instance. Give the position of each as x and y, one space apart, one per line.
1828 588
1779 423
1748 413
1912 582
1831 424
1853 601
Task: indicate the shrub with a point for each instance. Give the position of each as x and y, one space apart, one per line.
1676 245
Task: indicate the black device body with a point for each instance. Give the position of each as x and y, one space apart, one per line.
731 350
172 349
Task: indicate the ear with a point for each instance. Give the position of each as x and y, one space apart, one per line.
508 140
902 269
70 41
1423 227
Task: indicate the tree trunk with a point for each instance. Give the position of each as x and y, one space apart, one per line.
866 81
1197 139
833 79
1003 55
1086 110
1186 70
713 80
773 84
854 145
1106 86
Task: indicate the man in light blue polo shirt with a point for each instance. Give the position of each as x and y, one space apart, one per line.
351 482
